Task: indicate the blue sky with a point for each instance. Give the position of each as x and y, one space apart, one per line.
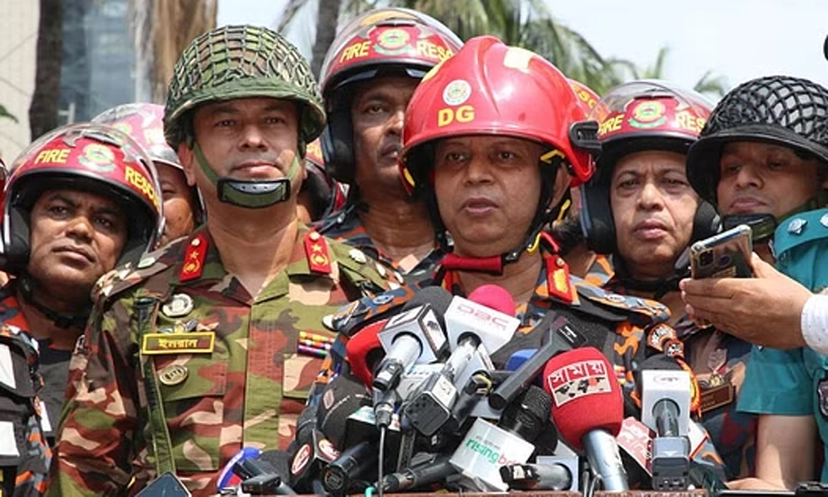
738 39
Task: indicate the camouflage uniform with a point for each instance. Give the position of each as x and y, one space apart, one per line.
346 227
718 361
24 453
236 378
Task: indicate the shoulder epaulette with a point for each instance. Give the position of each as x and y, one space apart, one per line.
348 318
628 304
127 276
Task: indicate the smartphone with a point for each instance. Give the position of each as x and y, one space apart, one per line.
166 485
726 255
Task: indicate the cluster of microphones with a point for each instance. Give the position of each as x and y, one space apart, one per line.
425 408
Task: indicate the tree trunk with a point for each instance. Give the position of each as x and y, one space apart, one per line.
43 110
176 24
325 32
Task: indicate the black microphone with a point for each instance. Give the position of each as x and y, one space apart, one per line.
537 477
414 335
340 476
825 48
260 476
342 397
561 337
309 460
434 468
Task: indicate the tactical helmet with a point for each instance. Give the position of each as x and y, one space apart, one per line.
491 88
389 41
88 157
634 117
783 110
238 62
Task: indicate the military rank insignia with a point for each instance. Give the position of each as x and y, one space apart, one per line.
316 250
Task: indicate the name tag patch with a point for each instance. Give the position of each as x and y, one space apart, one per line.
195 342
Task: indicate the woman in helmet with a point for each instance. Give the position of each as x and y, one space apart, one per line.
368 77
639 209
79 201
144 123
762 159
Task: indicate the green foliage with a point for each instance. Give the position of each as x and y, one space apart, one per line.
5 113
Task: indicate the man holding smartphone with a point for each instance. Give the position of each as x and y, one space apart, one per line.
763 159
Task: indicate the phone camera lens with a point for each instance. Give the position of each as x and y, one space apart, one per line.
706 258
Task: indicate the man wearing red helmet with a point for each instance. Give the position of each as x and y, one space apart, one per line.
488 139
640 211
368 77
144 123
79 200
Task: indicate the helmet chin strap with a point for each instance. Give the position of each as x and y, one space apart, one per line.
494 264
61 320
249 194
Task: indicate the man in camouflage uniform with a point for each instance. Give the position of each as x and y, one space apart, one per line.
196 352
641 212
368 77
478 172
71 216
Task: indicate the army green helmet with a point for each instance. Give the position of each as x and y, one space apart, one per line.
239 62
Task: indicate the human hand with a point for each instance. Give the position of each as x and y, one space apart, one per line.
764 310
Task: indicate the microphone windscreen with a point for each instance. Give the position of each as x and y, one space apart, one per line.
585 394
342 397
494 297
364 351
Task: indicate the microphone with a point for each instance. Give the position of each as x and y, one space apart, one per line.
364 351
340 475
561 337
666 392
486 446
342 397
309 460
465 318
414 335
434 468
537 477
260 476
471 326
588 409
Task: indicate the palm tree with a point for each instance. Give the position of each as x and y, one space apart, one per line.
707 84
163 29
43 110
527 23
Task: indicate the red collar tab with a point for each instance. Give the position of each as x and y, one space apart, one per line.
316 250
194 256
454 262
558 282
